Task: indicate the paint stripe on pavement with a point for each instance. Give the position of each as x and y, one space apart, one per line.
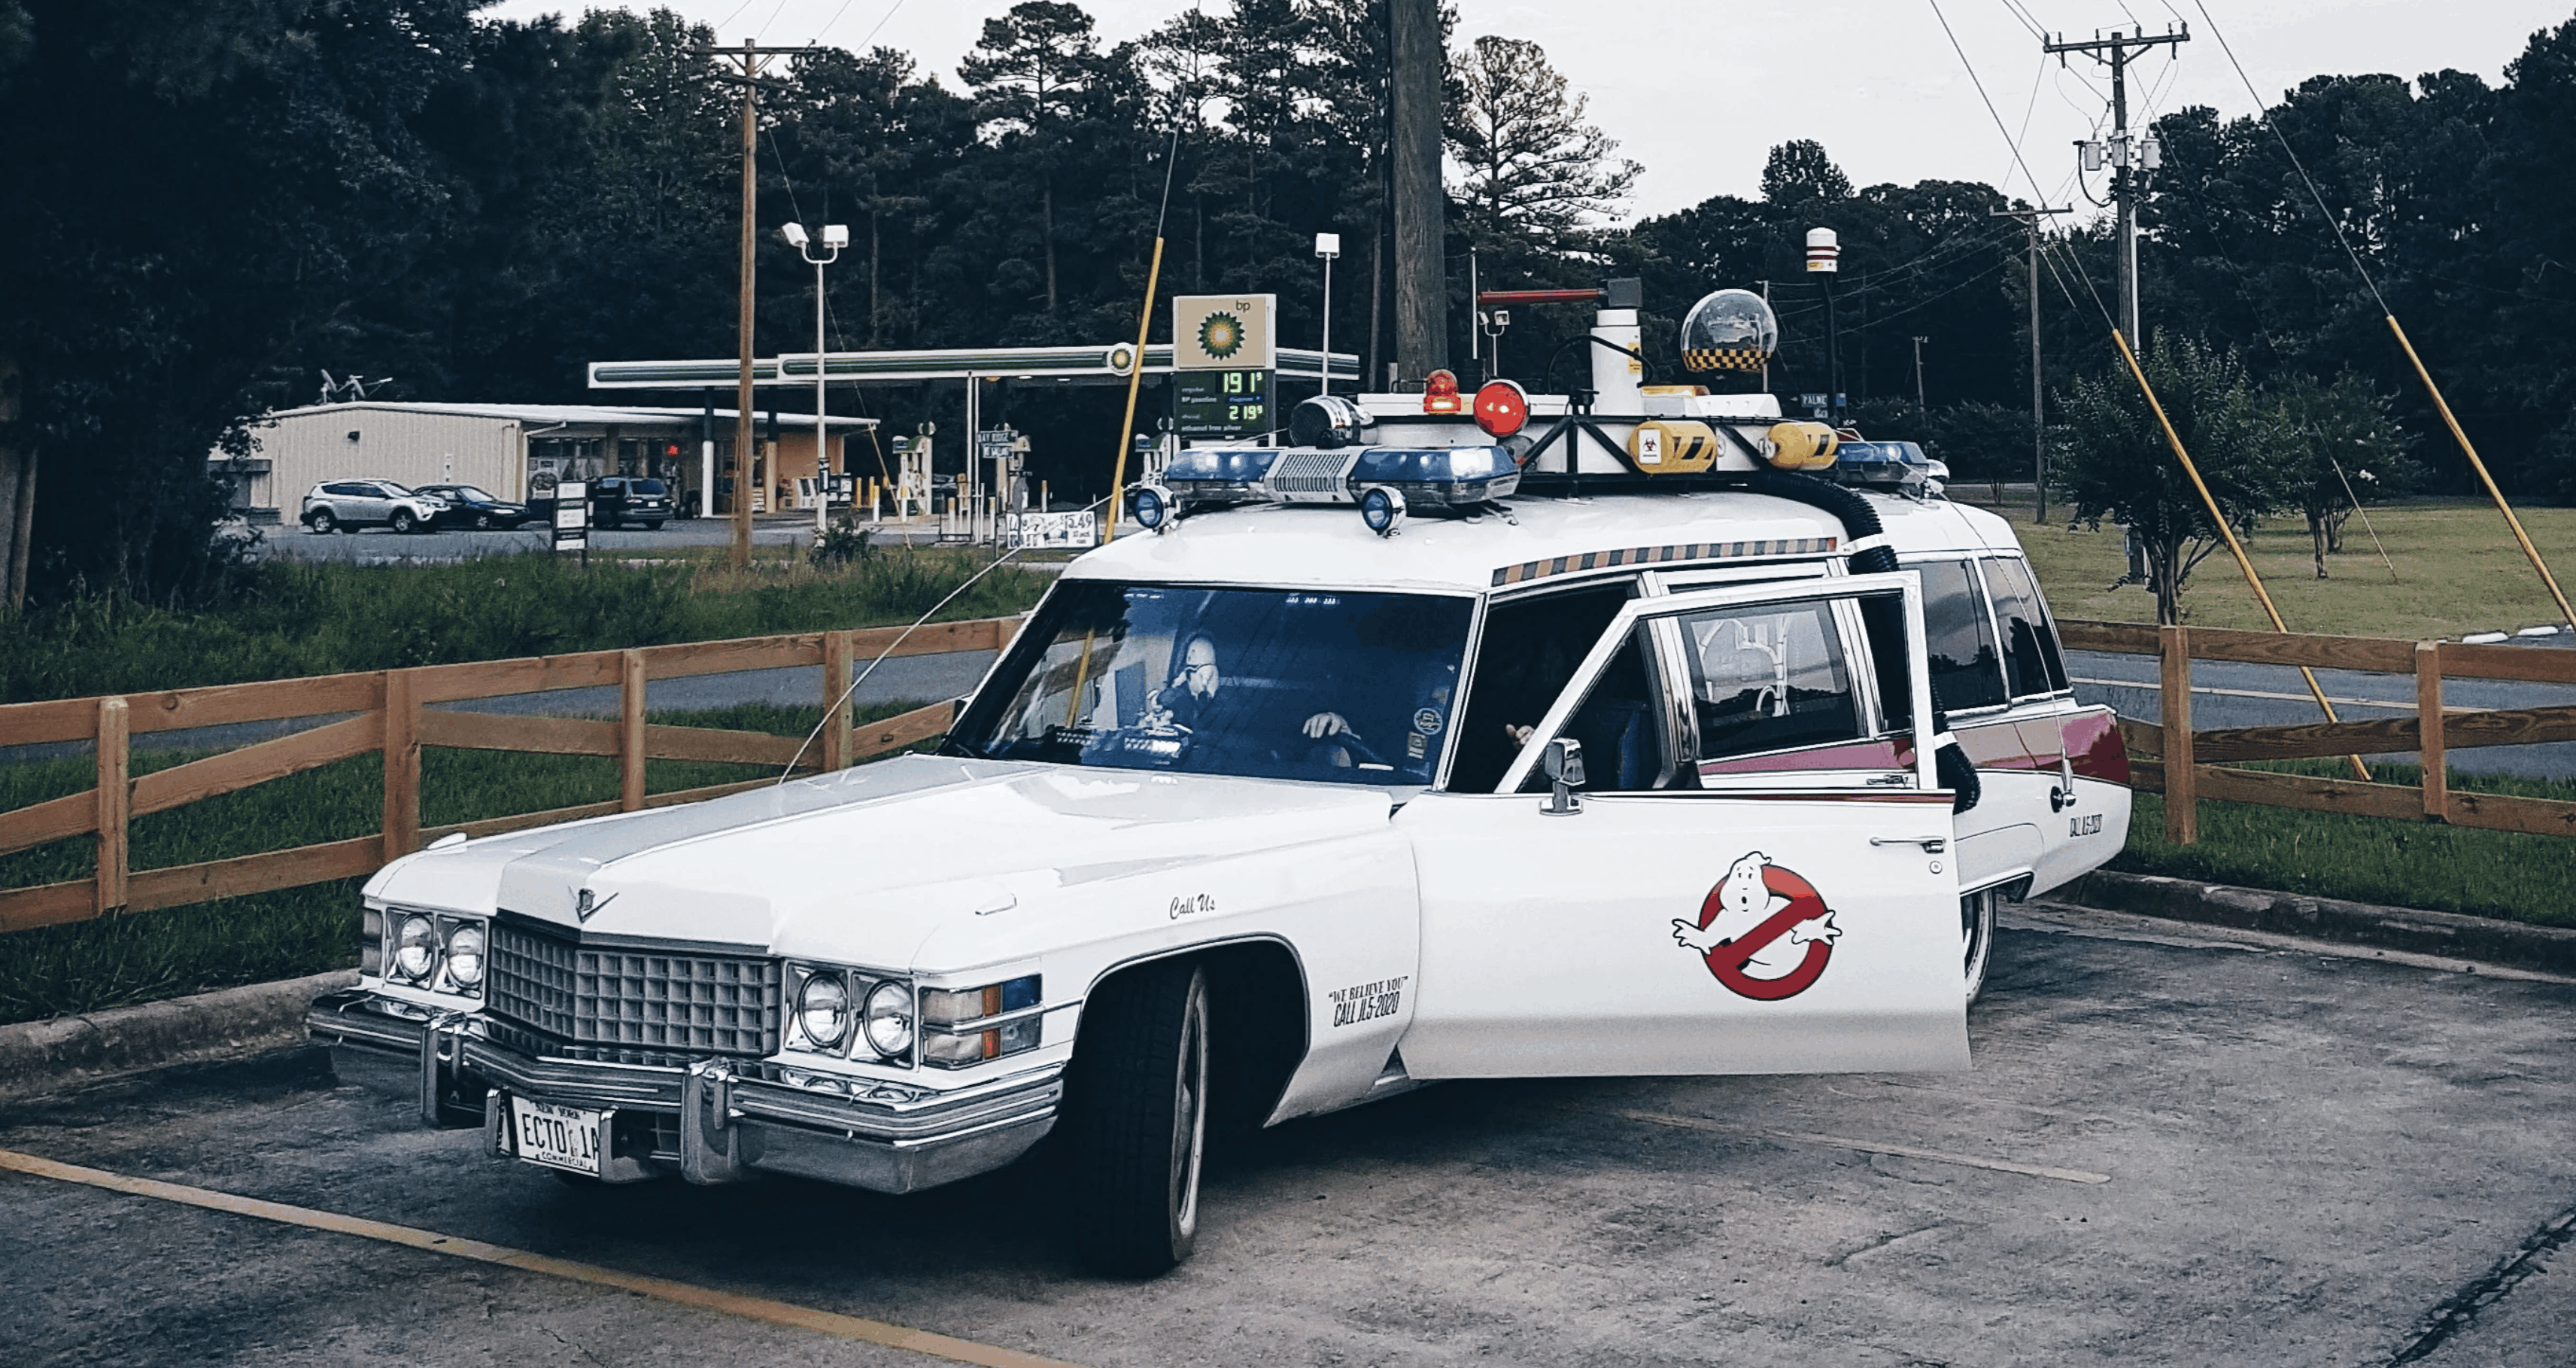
685 1294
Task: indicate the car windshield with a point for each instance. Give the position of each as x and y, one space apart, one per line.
469 494
398 491
1354 688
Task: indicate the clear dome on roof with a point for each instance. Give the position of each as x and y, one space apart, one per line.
1730 330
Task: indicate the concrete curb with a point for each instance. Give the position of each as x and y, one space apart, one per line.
2486 940
38 1057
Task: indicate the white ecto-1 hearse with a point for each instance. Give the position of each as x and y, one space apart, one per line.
1628 732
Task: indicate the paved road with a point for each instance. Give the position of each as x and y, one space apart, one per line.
2309 1157
2233 694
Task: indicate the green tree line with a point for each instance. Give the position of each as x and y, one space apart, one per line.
209 201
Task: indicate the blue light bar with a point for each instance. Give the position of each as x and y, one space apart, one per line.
1434 476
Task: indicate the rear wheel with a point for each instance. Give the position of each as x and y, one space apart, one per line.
1977 936
653 526
321 521
1139 1128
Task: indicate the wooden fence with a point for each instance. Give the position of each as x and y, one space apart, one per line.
2172 758
389 712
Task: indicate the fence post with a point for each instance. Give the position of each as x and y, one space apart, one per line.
402 766
630 732
839 655
2428 721
2182 806
115 804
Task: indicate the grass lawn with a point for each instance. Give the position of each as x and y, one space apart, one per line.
2457 571
54 971
2370 859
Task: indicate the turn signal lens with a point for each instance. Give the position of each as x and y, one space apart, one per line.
1502 408
416 948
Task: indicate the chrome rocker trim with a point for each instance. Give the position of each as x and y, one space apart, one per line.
738 1118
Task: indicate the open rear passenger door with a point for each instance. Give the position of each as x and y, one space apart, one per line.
1757 878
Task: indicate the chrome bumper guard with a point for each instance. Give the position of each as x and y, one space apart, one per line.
738 1118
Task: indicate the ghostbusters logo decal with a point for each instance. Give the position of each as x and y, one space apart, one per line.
1764 931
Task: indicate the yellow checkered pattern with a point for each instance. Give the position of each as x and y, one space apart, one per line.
1725 358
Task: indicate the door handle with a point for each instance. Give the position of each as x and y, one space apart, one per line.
1932 845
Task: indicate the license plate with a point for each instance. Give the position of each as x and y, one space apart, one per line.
557 1136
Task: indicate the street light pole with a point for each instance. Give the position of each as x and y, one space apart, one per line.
835 237
1328 246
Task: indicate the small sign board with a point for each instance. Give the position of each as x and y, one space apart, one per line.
997 444
572 516
1224 332
1036 531
1227 404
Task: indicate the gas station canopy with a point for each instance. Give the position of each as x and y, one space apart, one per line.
1087 365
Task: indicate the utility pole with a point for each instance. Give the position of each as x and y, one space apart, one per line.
1421 206
2131 159
751 60
2038 388
1918 376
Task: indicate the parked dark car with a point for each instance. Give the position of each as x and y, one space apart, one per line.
616 500
471 506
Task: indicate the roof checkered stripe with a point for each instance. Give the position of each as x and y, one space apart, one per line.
1659 555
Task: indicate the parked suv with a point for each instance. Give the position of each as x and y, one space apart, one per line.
347 505
619 499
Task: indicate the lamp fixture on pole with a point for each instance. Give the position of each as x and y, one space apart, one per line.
1328 246
835 237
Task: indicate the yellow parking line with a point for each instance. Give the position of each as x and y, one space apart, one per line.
1868 1147
705 1298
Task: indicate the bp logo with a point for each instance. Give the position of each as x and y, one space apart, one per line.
1221 335
1764 931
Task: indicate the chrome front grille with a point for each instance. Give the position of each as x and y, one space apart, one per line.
630 1004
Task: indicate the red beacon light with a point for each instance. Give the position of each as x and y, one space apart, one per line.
1440 394
1502 408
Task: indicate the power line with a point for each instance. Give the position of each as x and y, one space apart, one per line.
1981 95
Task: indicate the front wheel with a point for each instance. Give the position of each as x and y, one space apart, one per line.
483 522
1977 936
1139 1127
653 526
402 520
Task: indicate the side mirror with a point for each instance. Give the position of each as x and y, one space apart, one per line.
1563 761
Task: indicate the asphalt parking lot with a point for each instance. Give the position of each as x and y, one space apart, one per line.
2176 1147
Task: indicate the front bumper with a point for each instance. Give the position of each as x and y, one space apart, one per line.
713 1120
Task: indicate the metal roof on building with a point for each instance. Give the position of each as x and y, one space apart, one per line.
534 414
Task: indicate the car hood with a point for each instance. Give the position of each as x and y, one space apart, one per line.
867 864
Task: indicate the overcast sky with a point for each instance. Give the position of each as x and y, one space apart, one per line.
1699 90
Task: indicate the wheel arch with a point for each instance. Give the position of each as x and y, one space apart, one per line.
1259 1006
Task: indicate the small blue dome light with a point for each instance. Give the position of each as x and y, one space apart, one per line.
1382 509
1152 505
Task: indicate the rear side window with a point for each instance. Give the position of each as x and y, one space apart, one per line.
2031 660
1768 677
346 489
1967 671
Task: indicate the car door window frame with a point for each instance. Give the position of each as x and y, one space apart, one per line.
1842 590
1983 598
2047 624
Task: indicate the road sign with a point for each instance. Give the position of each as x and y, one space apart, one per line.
1228 403
1224 332
572 516
1073 531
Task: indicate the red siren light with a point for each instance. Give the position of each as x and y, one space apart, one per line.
1502 408
1440 394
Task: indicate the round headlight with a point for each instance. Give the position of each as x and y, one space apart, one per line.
823 1010
415 947
1152 505
1382 509
889 1024
465 955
